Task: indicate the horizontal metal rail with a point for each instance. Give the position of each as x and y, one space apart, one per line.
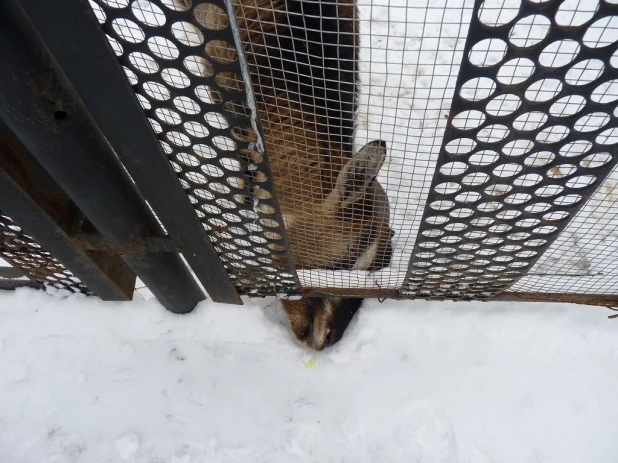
11 273
12 278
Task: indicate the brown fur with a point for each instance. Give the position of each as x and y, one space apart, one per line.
295 140
308 152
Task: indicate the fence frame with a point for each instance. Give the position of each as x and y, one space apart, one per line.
100 83
45 113
72 109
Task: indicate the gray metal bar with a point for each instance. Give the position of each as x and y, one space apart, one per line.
39 106
11 273
73 37
10 285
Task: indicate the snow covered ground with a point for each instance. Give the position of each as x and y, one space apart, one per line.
416 382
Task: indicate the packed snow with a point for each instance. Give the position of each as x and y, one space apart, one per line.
82 380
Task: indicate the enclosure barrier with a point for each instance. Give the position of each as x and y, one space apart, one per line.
127 150
515 204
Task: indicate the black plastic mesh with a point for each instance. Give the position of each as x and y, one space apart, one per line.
584 258
531 136
527 140
306 58
22 251
204 116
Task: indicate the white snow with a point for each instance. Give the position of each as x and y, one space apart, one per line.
87 381
412 382
127 445
16 372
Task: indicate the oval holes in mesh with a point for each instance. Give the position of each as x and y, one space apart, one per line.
181 58
527 142
22 251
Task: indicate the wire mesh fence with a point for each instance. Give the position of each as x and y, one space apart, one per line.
582 258
441 149
323 92
22 251
203 112
527 142
405 58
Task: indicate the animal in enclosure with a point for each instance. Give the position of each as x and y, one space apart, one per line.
303 61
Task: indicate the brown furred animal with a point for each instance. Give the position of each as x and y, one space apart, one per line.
303 59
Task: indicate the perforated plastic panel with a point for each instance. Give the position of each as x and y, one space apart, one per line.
531 135
527 139
584 258
202 109
22 251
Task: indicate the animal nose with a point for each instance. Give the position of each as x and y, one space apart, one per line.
332 337
328 341
319 344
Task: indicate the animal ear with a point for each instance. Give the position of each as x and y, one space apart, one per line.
358 173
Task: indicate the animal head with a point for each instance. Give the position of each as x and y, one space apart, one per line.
317 323
348 231
335 212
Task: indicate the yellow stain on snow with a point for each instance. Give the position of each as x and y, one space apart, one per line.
310 363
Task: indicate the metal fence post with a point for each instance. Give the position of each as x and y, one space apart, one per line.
101 85
40 108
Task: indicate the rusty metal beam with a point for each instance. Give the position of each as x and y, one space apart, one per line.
31 198
605 300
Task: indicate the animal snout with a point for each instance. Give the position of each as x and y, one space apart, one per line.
318 323
321 339
317 340
328 340
313 329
